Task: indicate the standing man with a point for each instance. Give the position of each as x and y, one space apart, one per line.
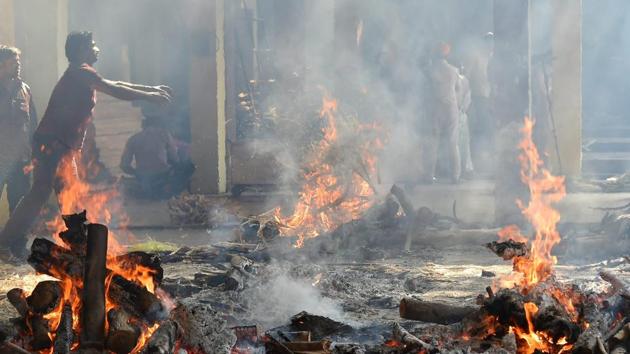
17 124
61 131
444 114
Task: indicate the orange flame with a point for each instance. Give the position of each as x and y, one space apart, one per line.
545 189
537 340
325 202
76 195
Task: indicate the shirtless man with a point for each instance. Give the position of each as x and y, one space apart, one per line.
444 114
60 133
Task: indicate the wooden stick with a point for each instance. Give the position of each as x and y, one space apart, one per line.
401 335
64 335
93 314
40 329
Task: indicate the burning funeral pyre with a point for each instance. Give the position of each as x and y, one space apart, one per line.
337 186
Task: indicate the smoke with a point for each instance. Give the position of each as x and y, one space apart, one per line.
281 296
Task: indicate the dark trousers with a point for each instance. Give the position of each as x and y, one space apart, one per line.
47 156
18 183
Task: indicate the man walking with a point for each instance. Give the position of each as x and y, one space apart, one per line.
17 124
61 131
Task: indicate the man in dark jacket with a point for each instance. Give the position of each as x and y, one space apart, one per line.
18 120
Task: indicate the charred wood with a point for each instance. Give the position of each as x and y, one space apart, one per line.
64 335
136 299
403 336
93 312
17 298
163 339
122 336
48 258
45 297
433 312
40 329
319 326
76 234
509 249
150 261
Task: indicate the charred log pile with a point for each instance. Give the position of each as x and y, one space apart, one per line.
99 303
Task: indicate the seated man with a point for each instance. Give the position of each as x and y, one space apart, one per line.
155 155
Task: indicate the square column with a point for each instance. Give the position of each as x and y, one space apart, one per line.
567 85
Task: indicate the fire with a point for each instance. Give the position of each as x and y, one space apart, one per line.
147 332
529 271
74 196
393 343
537 341
331 196
545 190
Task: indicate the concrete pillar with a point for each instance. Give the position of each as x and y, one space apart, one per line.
509 72
208 96
7 23
40 32
567 85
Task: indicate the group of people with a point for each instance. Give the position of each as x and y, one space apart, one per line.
455 95
41 148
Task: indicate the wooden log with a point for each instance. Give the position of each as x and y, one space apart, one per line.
150 261
39 329
403 336
93 297
45 297
163 340
434 312
59 262
136 300
17 298
48 258
10 348
64 336
122 336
